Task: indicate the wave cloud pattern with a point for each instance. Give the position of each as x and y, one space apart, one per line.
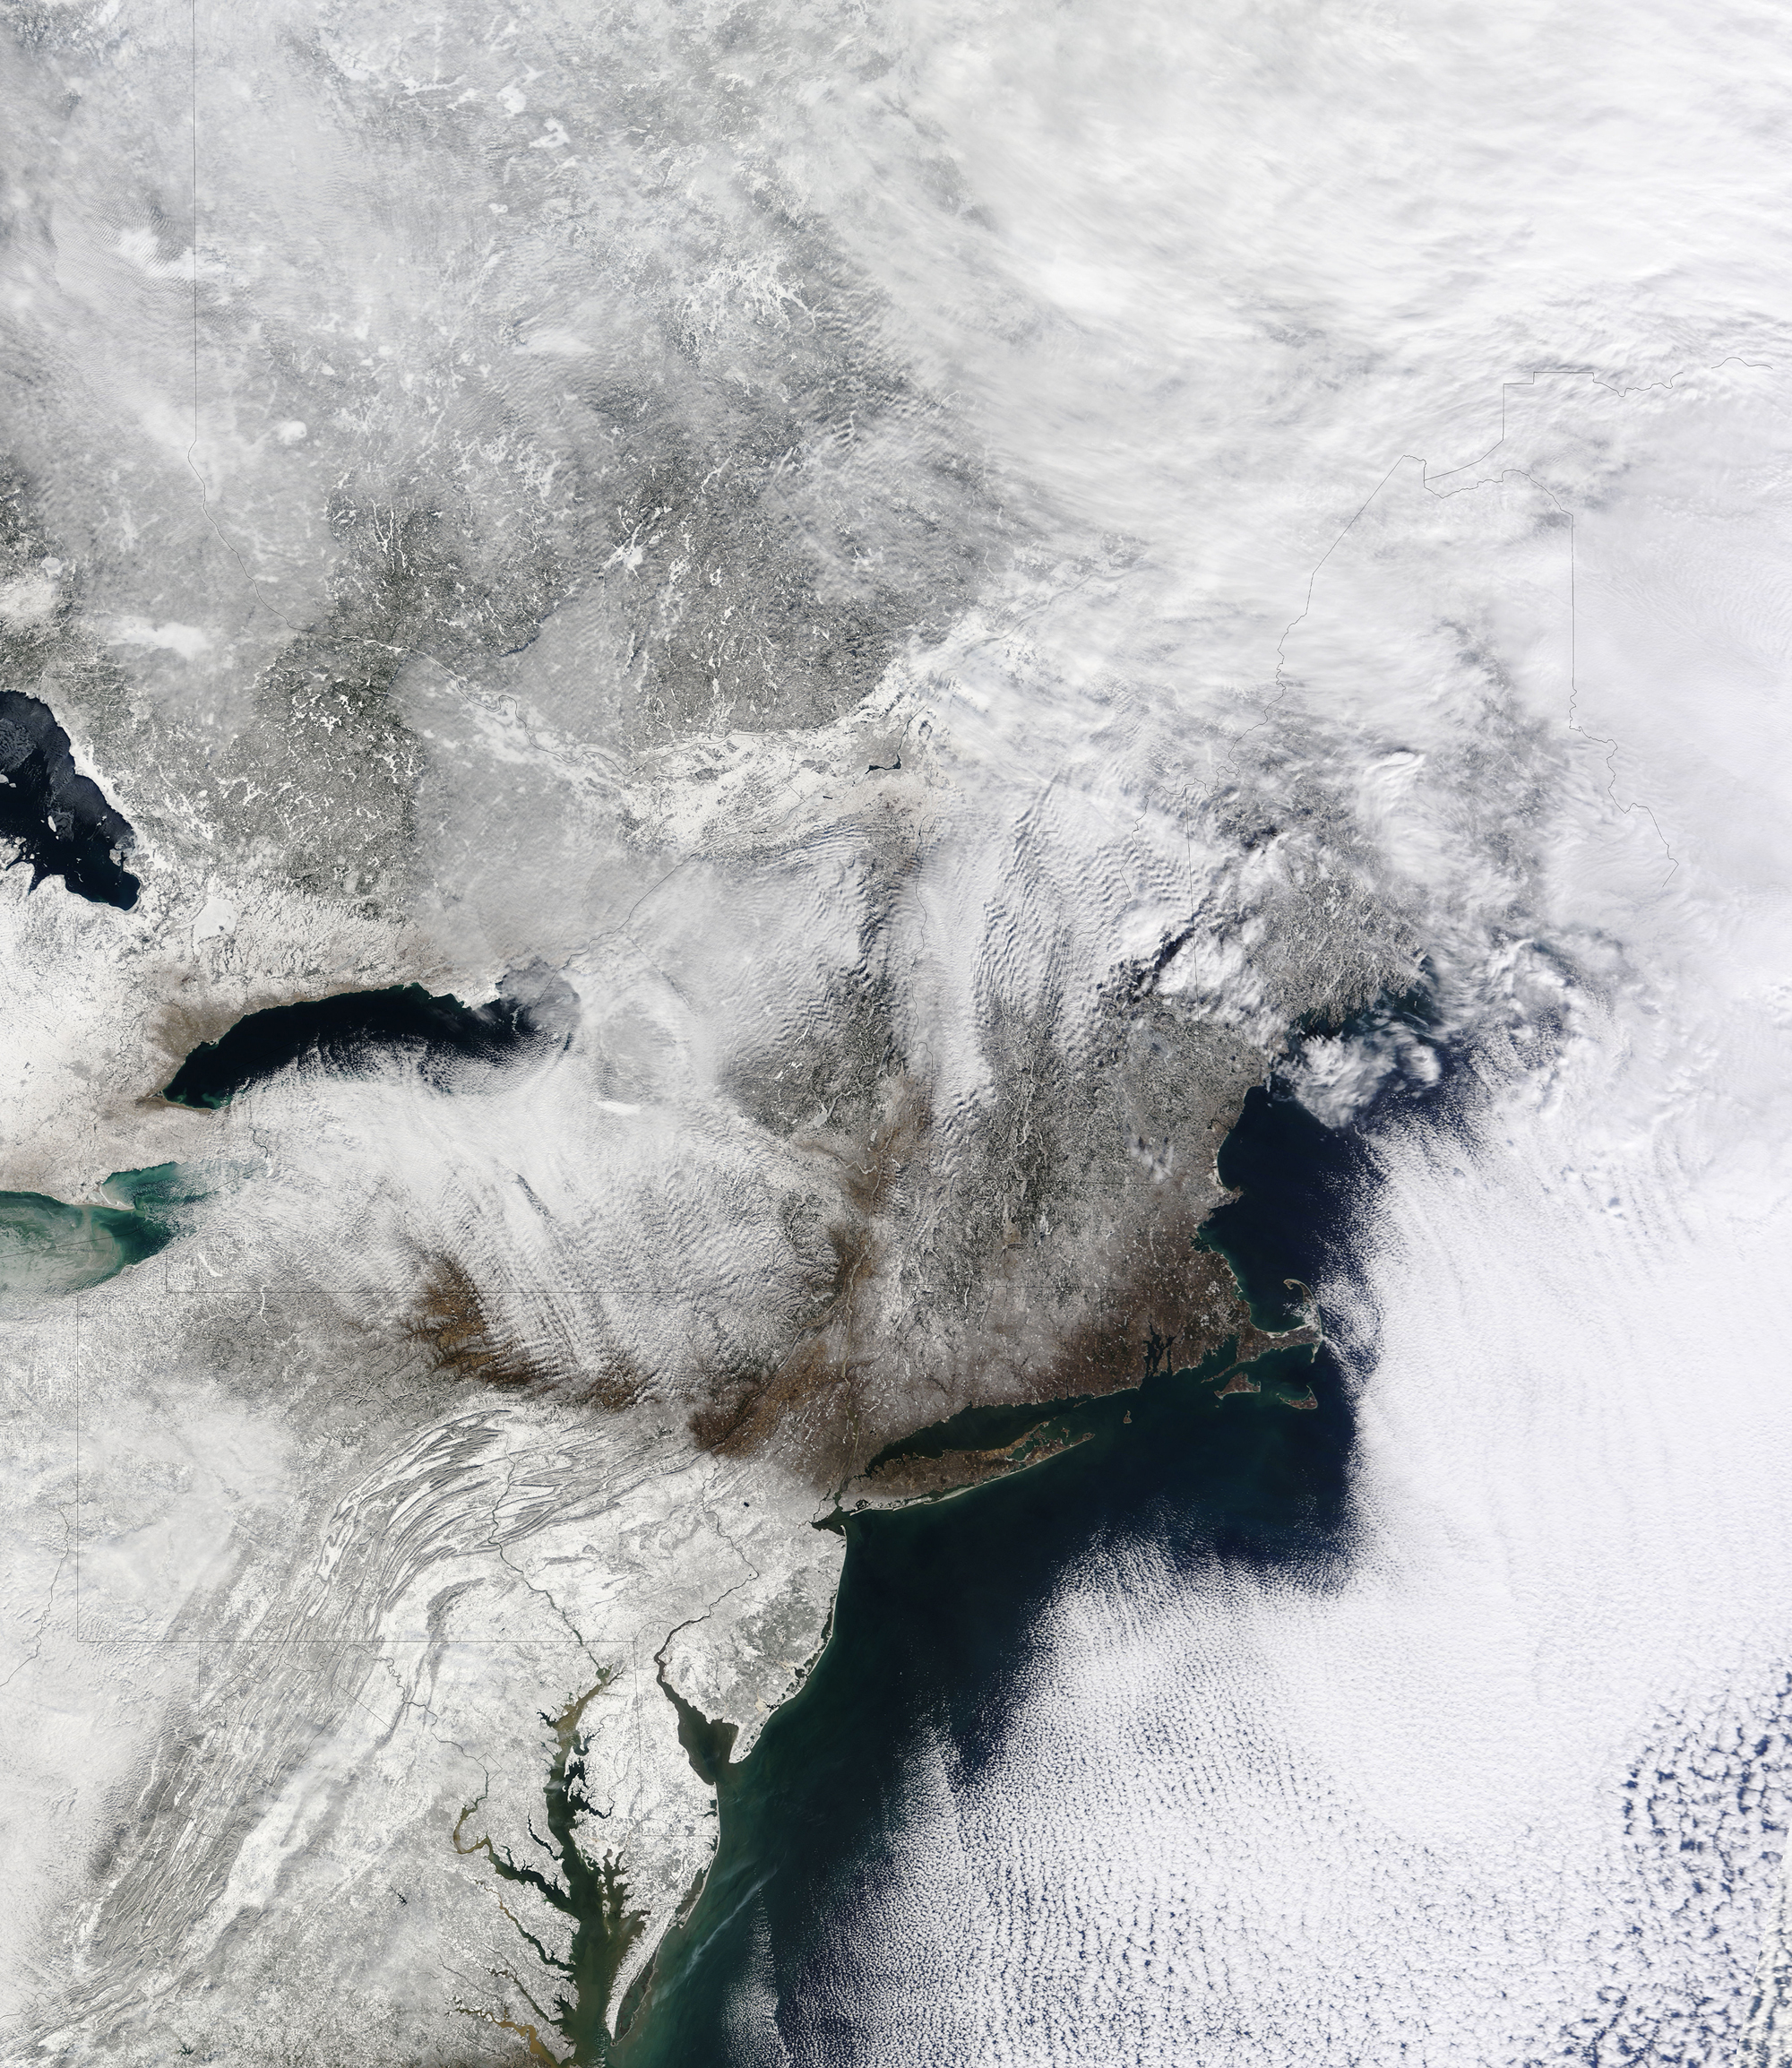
938 592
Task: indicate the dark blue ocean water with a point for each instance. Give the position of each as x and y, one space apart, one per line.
938 1603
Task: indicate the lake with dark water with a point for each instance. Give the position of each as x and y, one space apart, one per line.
349 1031
53 817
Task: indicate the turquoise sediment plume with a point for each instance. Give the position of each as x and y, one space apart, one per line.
49 1247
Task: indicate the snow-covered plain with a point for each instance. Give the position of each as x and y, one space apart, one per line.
727 504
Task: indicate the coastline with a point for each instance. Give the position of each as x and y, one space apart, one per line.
928 1567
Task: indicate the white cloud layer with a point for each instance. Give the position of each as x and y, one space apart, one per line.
1516 1790
1362 437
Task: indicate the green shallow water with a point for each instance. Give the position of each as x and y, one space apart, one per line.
48 1248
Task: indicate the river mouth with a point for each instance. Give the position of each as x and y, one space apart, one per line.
936 1627
933 1634
585 1883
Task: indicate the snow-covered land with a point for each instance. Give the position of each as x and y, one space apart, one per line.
933 591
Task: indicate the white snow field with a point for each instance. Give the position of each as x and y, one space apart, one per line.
938 579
